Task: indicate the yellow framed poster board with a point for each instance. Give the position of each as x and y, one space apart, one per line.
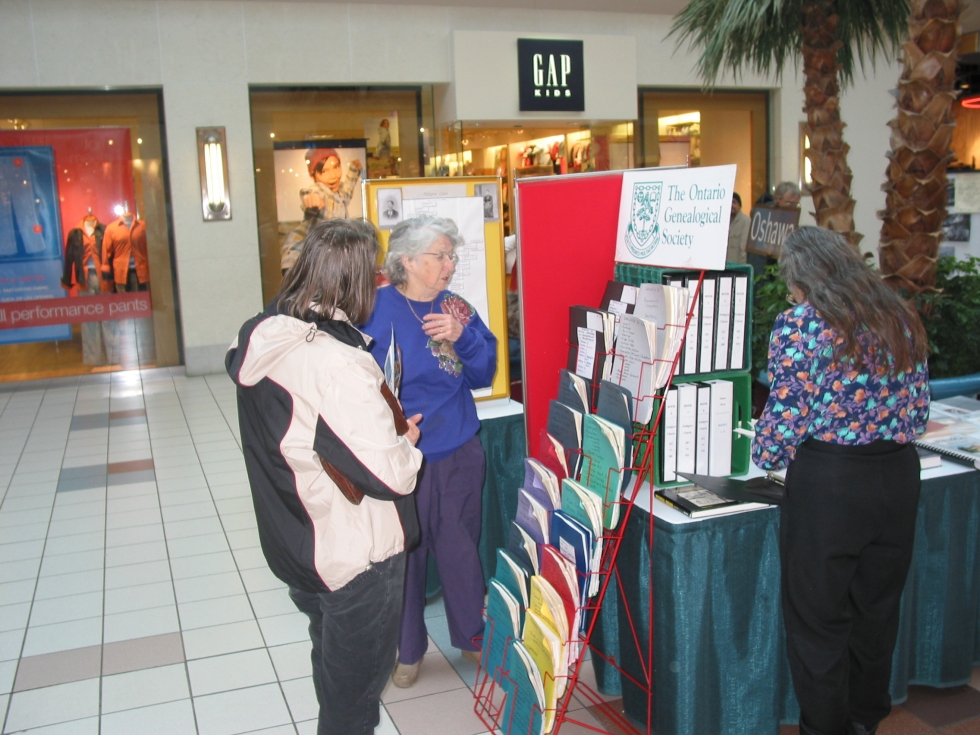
468 200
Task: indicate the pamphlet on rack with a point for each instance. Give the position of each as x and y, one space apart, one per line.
675 218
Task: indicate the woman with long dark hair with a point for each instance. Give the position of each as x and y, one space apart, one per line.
848 394
331 477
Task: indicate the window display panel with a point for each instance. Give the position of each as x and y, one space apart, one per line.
546 148
314 147
697 129
83 231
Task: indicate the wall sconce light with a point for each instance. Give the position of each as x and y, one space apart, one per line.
212 159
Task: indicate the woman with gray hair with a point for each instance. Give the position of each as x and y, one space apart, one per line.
446 351
849 393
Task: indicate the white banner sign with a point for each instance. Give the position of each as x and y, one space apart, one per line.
676 218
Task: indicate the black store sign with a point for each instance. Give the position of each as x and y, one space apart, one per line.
551 75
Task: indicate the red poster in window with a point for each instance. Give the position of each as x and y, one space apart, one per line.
94 168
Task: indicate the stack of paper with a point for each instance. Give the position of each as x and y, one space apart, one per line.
542 482
665 306
524 700
584 506
602 464
565 426
575 391
514 576
503 627
634 367
590 339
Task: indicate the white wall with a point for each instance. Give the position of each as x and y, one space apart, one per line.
205 54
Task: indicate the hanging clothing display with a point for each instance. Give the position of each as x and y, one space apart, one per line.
83 268
124 250
18 211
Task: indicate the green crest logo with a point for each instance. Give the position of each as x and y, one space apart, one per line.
643 231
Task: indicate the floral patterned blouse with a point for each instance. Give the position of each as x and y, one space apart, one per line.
812 396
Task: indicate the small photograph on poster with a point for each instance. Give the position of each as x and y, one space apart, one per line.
389 208
491 203
956 228
315 181
381 136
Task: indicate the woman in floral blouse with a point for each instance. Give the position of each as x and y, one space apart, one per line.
849 393
446 351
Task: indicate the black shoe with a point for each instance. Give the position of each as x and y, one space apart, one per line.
854 728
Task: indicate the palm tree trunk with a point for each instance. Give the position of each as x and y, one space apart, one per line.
915 199
831 176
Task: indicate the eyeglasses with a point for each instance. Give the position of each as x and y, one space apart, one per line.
443 257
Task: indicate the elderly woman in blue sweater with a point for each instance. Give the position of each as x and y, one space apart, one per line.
446 352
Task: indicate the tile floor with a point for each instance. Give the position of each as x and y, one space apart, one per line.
134 597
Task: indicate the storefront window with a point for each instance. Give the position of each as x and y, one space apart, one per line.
84 234
314 147
524 150
697 129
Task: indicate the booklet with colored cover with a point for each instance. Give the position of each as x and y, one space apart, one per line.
523 693
503 626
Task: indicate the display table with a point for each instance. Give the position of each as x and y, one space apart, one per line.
719 659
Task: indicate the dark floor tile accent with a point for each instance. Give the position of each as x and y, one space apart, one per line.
967 727
131 478
89 421
142 653
903 722
131 413
61 667
126 421
136 465
81 478
943 707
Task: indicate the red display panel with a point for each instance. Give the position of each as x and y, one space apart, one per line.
94 168
566 252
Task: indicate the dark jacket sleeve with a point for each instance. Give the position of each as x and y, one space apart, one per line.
73 258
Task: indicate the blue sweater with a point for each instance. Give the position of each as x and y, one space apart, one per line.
436 385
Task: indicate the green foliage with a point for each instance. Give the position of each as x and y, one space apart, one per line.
760 35
770 302
952 318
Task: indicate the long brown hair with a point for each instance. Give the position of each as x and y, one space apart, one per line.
854 301
335 270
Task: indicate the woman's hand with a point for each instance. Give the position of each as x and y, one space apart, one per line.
413 432
442 327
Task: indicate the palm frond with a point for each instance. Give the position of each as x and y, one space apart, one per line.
762 35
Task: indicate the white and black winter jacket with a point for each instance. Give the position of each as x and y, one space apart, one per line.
309 388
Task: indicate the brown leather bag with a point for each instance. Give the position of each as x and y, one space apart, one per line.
341 480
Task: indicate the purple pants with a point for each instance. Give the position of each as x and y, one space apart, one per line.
449 500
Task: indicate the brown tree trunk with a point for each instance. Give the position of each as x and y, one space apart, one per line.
831 176
915 198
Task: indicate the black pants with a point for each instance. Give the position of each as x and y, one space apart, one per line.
354 631
846 534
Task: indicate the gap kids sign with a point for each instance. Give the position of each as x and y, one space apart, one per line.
675 218
550 75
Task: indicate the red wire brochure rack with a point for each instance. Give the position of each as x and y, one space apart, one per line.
505 701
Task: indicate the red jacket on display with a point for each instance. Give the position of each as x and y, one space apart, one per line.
80 249
118 244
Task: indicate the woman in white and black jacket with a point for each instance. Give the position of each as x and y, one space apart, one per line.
308 394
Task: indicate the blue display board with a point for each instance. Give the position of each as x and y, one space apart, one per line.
31 256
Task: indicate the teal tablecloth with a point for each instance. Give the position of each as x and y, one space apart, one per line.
504 444
719 662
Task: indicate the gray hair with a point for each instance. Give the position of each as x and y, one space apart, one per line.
412 237
785 187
